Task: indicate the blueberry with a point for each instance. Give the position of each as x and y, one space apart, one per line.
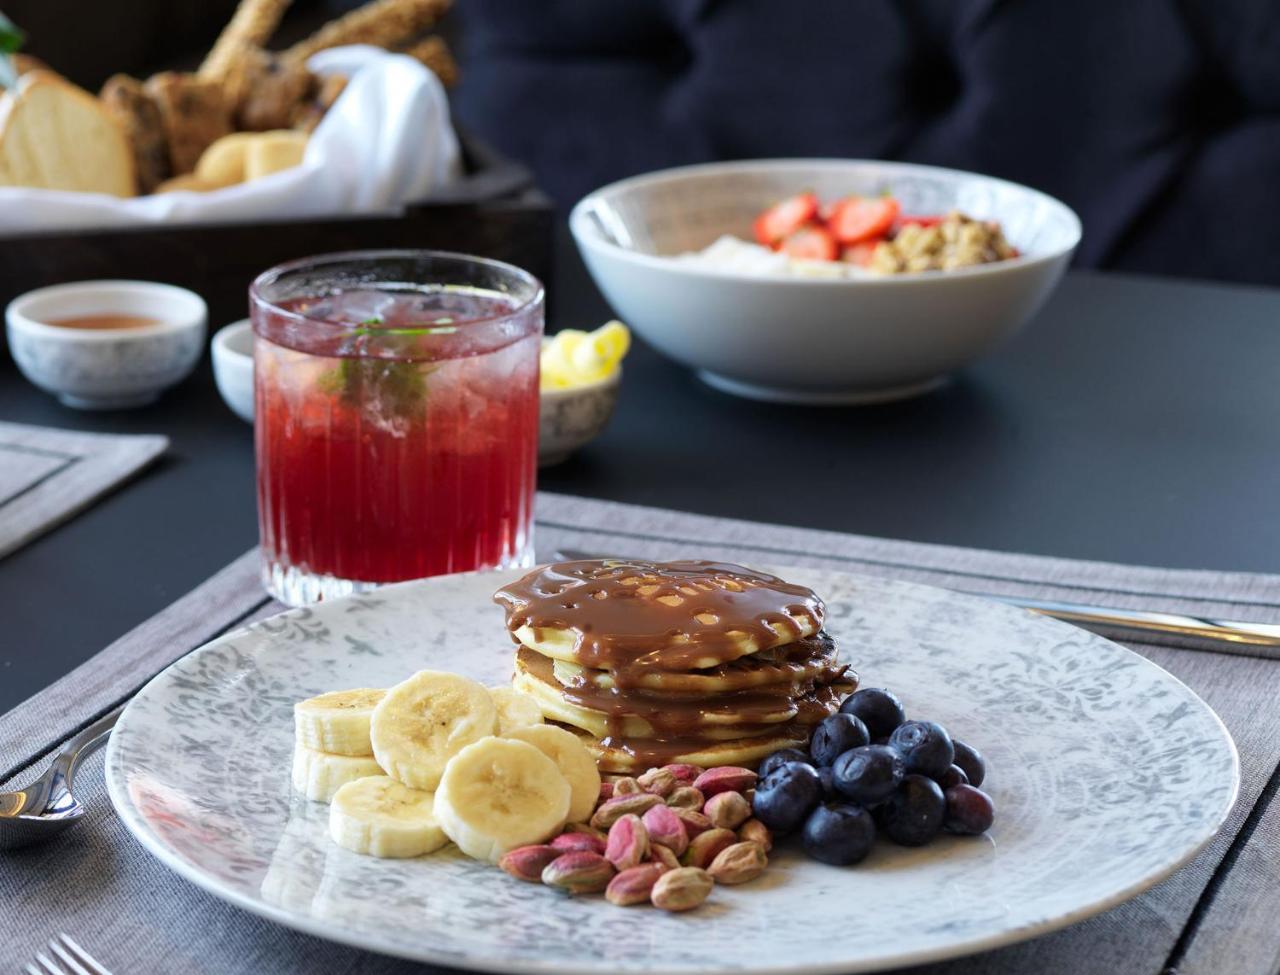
839 833
954 775
879 709
868 775
970 811
915 813
829 793
835 736
780 758
925 747
971 760
786 796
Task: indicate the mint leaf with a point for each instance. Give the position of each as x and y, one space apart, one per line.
10 37
396 384
10 40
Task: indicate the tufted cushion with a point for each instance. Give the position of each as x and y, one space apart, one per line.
1158 121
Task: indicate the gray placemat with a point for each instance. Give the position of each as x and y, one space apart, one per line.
1214 917
48 475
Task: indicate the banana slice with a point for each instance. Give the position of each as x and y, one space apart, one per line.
425 721
498 794
318 775
337 722
515 710
380 817
573 760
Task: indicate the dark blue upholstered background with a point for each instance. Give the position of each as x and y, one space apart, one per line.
1158 121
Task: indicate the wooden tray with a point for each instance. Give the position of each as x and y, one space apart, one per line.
494 211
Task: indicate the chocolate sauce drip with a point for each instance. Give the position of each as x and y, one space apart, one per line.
663 615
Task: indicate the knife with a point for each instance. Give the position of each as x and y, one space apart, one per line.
1231 635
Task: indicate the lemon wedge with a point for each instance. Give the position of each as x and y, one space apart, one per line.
574 357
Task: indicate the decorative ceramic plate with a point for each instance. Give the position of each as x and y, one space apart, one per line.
1108 774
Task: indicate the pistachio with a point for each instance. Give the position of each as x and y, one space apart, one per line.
662 854
613 810
705 847
684 774
666 829
634 885
658 781
628 843
725 778
738 863
754 831
727 809
681 890
528 862
626 786
606 792
694 821
567 842
686 797
578 872
586 829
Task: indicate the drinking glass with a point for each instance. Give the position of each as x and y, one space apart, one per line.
396 397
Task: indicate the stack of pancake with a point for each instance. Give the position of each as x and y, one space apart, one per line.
658 662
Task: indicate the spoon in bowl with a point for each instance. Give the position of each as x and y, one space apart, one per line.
46 807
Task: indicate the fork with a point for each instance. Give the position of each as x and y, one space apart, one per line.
76 959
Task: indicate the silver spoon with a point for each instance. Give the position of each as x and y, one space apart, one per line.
46 807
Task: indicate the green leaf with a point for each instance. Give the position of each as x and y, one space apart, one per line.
398 384
10 37
10 40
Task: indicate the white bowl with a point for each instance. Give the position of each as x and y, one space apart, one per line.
232 350
109 368
567 419
804 339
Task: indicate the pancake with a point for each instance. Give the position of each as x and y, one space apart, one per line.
809 659
633 616
646 714
627 757
651 663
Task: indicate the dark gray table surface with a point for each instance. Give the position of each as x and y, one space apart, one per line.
1135 420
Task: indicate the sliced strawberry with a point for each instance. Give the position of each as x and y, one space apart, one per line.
918 220
856 218
860 253
785 218
812 243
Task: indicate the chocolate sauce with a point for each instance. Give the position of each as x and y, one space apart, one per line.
661 615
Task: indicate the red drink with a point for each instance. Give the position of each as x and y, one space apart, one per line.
396 419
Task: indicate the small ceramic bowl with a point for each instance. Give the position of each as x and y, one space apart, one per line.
232 350
571 418
106 369
568 419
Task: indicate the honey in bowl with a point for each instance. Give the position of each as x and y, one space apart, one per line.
104 322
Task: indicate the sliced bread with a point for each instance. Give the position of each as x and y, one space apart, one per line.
56 136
